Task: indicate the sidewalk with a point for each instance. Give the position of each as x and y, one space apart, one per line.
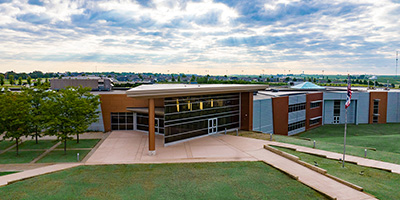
7 179
394 168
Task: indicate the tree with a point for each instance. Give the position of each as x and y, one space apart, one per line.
1 79
14 119
19 80
29 80
39 82
71 110
173 78
36 98
179 79
11 79
193 79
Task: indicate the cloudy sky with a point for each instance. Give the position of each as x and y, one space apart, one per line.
200 36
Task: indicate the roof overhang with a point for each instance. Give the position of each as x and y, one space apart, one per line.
158 111
177 90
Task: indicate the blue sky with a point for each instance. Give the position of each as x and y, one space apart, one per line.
200 36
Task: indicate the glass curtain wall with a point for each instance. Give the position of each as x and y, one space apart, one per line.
122 121
187 117
143 123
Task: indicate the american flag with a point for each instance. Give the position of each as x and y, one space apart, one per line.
348 100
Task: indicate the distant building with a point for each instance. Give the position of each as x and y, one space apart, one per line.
95 83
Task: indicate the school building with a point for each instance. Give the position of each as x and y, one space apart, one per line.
180 112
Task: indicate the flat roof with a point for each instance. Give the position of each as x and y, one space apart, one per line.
176 90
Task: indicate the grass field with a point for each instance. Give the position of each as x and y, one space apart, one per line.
59 156
230 180
4 144
86 143
6 173
42 144
29 150
10 157
384 138
382 184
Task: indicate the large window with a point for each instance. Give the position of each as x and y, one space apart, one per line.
314 121
297 107
187 117
315 104
376 111
296 125
336 108
122 121
143 123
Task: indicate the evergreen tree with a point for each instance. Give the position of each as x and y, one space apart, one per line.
11 79
19 80
29 80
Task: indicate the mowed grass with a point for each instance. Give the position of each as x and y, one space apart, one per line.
57 156
42 144
10 157
229 180
7 173
383 137
380 183
4 144
83 143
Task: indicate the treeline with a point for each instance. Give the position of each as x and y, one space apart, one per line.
38 112
33 75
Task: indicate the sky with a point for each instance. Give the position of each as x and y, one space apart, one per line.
201 36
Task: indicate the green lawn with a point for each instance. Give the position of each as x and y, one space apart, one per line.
11 157
384 137
42 144
4 144
7 173
230 180
86 143
59 156
382 184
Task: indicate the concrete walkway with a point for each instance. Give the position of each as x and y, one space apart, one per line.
394 168
7 179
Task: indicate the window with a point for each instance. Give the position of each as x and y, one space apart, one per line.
336 108
194 113
297 107
296 125
315 104
314 121
122 121
376 111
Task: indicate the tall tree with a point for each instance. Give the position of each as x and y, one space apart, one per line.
1 79
29 80
11 79
36 98
71 111
14 119
20 80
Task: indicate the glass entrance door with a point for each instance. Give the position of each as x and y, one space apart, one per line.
212 125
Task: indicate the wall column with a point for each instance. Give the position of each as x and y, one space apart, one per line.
152 136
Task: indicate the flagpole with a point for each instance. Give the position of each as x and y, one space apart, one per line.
345 130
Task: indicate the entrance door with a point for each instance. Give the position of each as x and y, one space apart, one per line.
212 125
157 125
